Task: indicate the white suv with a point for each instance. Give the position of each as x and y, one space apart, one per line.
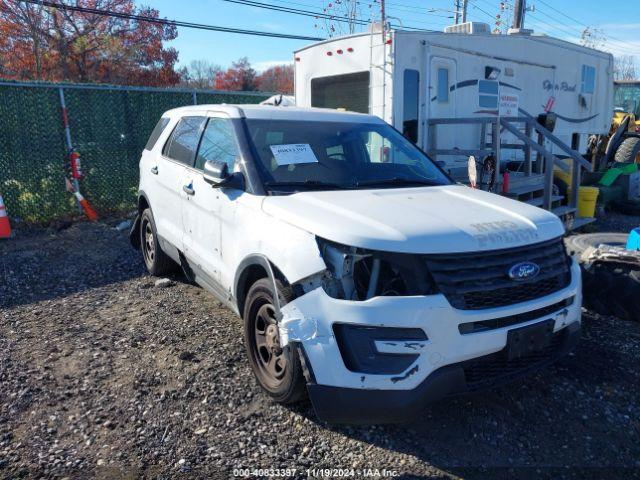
395 285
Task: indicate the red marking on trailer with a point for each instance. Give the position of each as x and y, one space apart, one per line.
549 105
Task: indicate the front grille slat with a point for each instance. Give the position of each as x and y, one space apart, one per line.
479 280
471 287
452 278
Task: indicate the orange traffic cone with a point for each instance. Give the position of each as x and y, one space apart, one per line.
5 227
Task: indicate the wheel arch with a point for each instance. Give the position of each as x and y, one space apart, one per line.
251 269
134 233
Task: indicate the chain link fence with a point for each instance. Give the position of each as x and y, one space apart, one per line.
109 127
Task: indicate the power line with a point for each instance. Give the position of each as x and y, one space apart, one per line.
474 5
176 23
369 6
563 30
577 21
309 13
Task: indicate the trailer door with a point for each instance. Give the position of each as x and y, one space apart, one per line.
442 76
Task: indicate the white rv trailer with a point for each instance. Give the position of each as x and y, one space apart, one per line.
409 78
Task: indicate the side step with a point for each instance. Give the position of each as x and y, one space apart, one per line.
578 222
563 211
538 201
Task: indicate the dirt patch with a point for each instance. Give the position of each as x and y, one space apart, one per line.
103 374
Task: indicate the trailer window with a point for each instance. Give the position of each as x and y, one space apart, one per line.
488 94
588 79
443 85
411 105
350 91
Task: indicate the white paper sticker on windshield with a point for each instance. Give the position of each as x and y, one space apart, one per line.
293 153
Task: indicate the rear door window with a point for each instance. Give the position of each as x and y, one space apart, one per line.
184 139
157 131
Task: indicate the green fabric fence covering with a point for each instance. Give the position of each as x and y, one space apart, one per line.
109 128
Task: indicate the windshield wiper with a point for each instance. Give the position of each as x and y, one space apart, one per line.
397 181
316 184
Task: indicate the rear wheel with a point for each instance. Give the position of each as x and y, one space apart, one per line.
277 369
157 262
628 151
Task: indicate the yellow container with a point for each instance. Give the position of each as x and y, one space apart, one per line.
587 197
566 177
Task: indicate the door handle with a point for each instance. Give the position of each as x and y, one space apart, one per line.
188 189
154 170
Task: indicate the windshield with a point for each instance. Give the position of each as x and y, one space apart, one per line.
305 155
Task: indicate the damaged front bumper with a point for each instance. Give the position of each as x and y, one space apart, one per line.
450 359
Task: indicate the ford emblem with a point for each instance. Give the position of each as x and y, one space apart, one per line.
524 271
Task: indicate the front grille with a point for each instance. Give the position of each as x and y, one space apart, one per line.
497 368
479 280
502 322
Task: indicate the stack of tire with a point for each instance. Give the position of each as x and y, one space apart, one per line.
610 285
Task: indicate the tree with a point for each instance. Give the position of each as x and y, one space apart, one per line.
593 38
277 79
502 21
239 76
341 16
625 68
200 74
45 43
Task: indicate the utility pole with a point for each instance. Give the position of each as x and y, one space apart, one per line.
383 19
456 8
519 8
465 5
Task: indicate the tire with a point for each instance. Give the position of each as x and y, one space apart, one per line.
577 244
278 370
612 288
628 150
627 207
157 262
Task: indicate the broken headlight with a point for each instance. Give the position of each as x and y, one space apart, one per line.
358 274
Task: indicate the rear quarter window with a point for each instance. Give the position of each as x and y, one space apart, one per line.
155 134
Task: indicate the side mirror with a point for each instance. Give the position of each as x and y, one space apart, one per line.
215 173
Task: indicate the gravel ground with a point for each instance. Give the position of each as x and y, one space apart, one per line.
103 374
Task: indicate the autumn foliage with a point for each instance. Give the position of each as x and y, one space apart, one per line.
44 43
39 42
239 76
277 79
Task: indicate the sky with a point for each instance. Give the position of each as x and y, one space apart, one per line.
616 23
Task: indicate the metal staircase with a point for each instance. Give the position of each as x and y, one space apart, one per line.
532 181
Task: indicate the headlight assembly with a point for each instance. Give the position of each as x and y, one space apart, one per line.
359 274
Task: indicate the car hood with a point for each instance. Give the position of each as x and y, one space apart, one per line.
442 219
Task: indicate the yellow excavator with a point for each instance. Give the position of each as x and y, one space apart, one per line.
624 139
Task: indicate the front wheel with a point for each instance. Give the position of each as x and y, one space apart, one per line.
276 368
157 262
